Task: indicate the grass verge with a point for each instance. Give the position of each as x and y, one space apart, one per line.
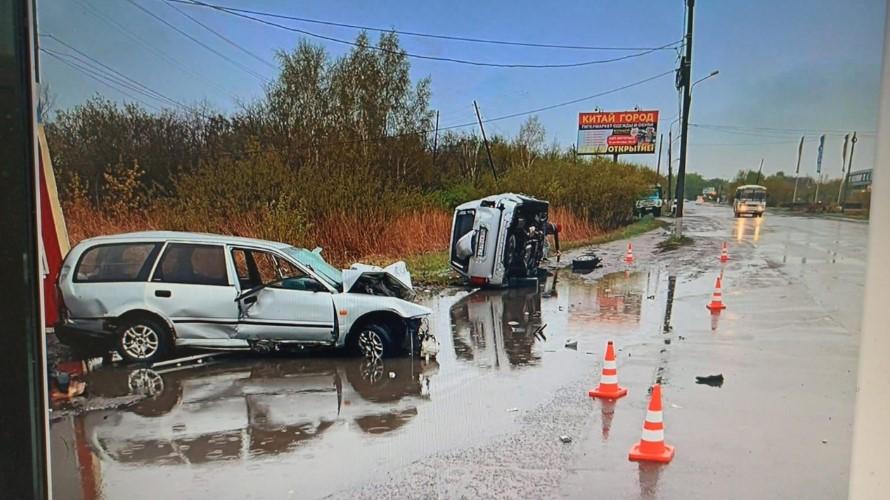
432 269
673 242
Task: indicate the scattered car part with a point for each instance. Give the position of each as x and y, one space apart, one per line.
712 380
586 263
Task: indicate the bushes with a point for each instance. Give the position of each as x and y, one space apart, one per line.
338 152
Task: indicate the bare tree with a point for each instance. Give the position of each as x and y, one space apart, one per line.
530 140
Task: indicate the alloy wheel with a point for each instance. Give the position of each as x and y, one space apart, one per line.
370 343
140 342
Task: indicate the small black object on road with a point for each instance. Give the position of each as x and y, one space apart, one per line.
711 380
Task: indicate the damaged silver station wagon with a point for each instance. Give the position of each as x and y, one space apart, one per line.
145 294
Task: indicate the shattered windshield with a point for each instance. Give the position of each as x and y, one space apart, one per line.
316 263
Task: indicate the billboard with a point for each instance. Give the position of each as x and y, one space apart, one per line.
617 132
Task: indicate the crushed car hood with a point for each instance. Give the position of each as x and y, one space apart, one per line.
393 280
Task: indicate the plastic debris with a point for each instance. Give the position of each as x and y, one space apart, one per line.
565 439
571 344
711 380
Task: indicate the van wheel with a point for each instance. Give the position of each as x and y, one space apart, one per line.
143 340
375 341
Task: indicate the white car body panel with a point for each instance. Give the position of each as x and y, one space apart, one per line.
212 316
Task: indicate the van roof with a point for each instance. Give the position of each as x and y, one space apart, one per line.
185 236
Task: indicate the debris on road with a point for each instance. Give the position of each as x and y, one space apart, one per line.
712 380
565 439
586 264
511 410
571 344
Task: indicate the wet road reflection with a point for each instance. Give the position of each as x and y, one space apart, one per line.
748 229
238 410
614 299
492 328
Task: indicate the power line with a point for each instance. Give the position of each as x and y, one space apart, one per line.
488 120
150 47
575 101
223 37
416 33
428 57
149 91
199 42
96 78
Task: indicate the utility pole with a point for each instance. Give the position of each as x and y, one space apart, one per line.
670 172
843 183
759 171
797 171
819 168
686 81
658 163
485 140
436 139
849 168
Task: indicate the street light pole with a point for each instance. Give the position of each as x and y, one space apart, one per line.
685 74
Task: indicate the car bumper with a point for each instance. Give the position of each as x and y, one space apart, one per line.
83 333
417 329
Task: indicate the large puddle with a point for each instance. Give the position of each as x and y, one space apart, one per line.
269 426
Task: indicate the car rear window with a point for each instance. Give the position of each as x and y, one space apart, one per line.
116 262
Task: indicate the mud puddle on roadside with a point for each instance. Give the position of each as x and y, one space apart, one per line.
267 425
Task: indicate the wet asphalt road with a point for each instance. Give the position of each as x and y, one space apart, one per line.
484 420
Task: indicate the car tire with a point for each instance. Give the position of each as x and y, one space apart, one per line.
143 340
657 212
375 341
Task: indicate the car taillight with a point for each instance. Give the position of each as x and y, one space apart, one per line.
478 281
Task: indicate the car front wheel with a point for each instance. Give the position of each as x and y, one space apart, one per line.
143 340
375 341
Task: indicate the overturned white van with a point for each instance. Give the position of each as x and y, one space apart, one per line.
501 240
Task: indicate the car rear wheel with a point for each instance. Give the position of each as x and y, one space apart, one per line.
143 340
375 341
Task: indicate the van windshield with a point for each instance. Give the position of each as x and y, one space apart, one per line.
315 262
751 195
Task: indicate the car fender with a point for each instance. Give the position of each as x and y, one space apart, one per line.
136 305
352 306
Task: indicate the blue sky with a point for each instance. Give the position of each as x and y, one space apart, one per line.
796 64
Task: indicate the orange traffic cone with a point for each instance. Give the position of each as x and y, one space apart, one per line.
724 253
629 258
651 447
717 299
609 388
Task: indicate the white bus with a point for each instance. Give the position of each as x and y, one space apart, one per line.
749 200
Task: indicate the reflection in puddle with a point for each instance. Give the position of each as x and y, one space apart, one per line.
669 306
239 410
741 228
648 474
616 299
495 328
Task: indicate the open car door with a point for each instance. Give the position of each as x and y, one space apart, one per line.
279 301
